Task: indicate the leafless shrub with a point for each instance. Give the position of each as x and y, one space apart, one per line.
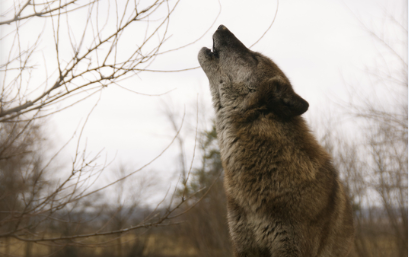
87 51
374 160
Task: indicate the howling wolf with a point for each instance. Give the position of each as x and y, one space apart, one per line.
284 195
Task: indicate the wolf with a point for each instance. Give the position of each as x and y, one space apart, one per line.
284 197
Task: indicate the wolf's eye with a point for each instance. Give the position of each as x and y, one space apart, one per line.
221 81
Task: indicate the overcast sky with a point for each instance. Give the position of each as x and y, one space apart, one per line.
319 44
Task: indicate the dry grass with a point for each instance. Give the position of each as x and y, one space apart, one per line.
376 246
151 245
165 244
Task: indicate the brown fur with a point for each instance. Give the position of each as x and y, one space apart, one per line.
284 196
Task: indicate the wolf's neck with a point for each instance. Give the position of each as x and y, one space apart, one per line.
269 143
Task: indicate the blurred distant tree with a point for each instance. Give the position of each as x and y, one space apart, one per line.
21 175
211 169
205 225
386 130
375 163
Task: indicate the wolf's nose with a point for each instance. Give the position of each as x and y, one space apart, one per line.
221 27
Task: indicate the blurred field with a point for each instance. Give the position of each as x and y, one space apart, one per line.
129 245
162 243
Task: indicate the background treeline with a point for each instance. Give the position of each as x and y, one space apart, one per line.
199 228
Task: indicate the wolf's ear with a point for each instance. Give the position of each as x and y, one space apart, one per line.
278 96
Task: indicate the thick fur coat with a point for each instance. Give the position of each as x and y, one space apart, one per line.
284 195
